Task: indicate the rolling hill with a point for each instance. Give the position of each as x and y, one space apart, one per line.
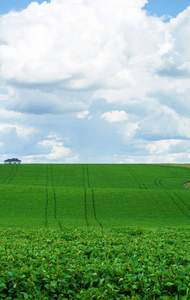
103 195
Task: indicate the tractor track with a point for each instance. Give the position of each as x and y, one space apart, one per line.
137 179
178 205
12 174
182 201
158 182
46 209
87 172
85 208
50 184
54 197
94 208
9 176
88 186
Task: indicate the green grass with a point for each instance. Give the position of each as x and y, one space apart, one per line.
59 195
94 232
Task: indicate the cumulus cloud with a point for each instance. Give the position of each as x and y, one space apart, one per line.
65 59
115 116
82 114
51 149
80 45
56 149
21 131
162 146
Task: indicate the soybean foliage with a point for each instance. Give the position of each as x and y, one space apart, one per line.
94 263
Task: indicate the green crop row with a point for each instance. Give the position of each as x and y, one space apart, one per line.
95 176
94 263
55 196
59 207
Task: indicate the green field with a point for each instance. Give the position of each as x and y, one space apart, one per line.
92 231
59 195
93 263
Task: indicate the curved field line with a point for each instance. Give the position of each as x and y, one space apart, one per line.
182 202
85 208
165 186
177 205
46 208
83 175
158 182
13 173
85 201
54 197
87 172
137 179
47 176
171 172
94 208
130 171
7 178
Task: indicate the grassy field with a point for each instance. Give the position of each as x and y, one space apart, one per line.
94 232
61 195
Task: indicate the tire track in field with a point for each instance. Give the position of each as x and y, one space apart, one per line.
85 208
138 180
46 209
158 183
14 173
83 176
47 197
54 197
47 176
9 176
177 205
182 202
86 185
88 176
85 200
94 208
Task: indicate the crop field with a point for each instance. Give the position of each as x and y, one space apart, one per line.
59 195
94 232
95 263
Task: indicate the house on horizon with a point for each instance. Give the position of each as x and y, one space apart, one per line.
12 161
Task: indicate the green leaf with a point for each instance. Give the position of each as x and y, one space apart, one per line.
169 283
25 295
53 283
101 281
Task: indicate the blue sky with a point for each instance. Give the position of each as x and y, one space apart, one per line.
18 5
166 7
158 7
95 81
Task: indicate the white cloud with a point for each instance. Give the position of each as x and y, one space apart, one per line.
82 114
55 148
130 130
161 147
9 114
115 116
163 121
81 58
21 131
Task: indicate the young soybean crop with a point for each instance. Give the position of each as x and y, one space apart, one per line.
94 231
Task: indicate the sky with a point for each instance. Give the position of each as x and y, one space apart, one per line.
105 81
